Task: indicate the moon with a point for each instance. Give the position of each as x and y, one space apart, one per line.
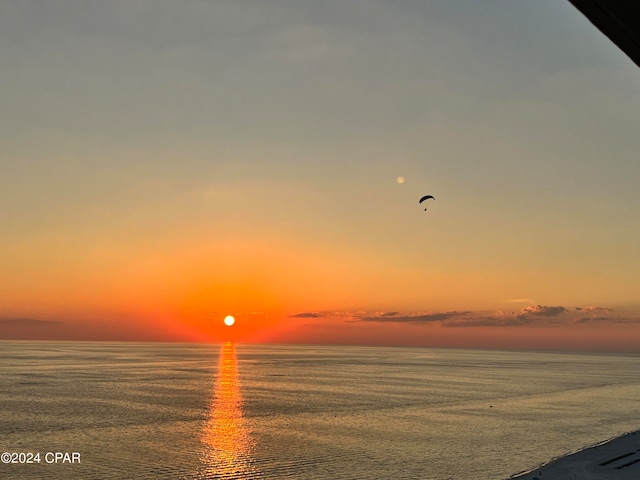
400 180
229 320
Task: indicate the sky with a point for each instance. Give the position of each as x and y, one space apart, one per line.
164 164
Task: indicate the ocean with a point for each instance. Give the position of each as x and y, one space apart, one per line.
94 410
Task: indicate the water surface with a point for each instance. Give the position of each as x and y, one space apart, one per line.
315 412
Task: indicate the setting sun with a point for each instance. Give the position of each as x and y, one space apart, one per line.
229 320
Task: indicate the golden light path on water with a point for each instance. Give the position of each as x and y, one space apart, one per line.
227 441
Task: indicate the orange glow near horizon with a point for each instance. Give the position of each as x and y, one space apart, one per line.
247 327
227 440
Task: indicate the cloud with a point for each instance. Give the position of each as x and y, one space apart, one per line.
541 311
538 314
527 316
593 309
28 322
306 315
497 321
608 320
518 300
592 319
392 317
530 315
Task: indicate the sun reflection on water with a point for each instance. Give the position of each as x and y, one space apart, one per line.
228 446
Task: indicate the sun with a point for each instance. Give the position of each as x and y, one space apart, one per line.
229 320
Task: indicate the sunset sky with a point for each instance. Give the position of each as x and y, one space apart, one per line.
164 164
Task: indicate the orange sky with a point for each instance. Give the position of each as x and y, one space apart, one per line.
154 179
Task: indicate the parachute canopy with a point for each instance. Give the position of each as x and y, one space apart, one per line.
426 197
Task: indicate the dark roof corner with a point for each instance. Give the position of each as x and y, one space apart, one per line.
617 19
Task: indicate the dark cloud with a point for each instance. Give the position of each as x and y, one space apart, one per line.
608 320
530 315
592 319
541 311
28 322
306 315
537 314
526 316
418 319
497 321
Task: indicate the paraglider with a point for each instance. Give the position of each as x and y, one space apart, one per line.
426 197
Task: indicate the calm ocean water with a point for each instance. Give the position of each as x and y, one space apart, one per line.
181 411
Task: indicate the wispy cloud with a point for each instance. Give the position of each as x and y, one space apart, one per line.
28 322
609 320
489 321
416 319
593 309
